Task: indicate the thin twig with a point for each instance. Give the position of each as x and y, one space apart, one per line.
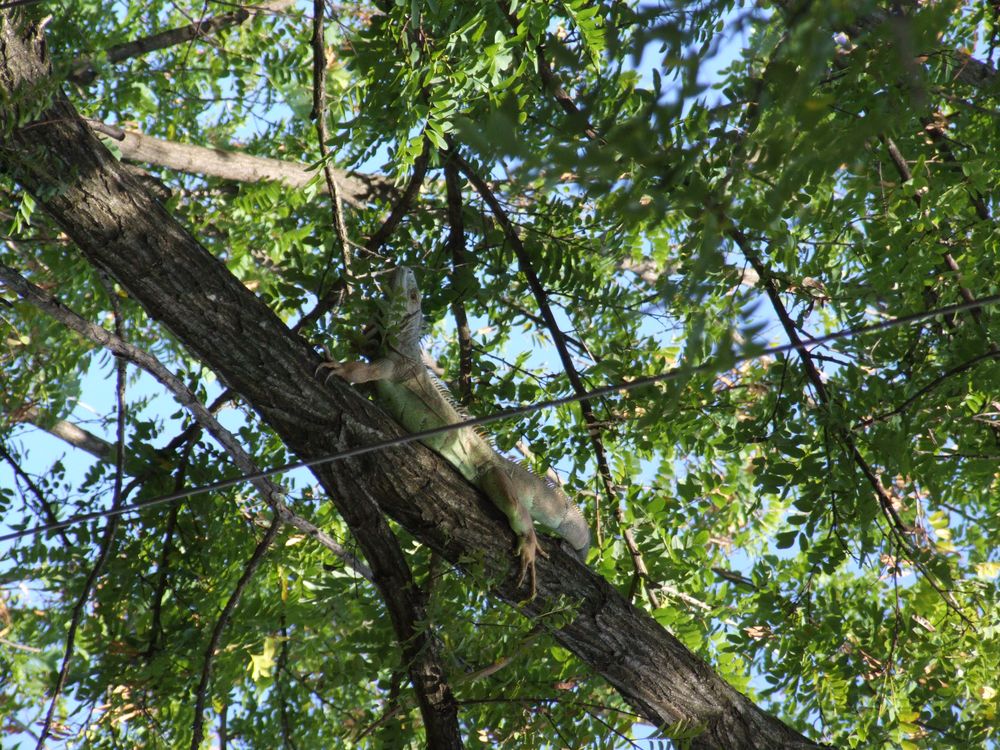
46 506
163 566
319 117
460 267
201 694
400 208
110 529
939 380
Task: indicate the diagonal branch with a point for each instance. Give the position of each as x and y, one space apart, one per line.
559 339
903 169
271 492
934 127
403 205
993 353
900 530
551 82
356 188
19 473
66 431
201 694
813 374
107 540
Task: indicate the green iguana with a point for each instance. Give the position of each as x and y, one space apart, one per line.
416 399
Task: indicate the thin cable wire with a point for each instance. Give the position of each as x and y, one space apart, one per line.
517 411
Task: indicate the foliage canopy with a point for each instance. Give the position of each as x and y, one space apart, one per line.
670 184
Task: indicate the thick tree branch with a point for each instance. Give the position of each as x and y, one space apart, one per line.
119 227
108 219
974 72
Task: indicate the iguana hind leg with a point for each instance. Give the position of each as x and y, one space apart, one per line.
496 483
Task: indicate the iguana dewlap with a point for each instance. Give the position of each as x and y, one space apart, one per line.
419 401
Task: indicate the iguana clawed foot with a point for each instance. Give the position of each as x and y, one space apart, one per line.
333 366
330 364
527 549
352 372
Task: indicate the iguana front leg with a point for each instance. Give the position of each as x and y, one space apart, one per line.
496 483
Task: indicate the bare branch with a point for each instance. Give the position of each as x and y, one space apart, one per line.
356 189
68 432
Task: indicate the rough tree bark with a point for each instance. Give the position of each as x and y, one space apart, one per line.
122 229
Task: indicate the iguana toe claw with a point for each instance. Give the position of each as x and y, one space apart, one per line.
333 366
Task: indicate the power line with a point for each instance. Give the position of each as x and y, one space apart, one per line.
517 411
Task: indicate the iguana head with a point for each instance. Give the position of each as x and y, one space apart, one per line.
402 319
